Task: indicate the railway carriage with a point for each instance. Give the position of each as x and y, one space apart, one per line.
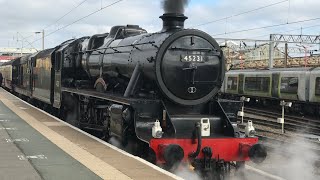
248 82
314 86
299 85
23 83
9 72
43 76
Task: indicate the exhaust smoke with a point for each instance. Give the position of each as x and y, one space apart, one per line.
174 6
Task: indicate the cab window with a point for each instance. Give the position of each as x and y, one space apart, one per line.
289 85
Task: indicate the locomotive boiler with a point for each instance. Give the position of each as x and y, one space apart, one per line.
176 60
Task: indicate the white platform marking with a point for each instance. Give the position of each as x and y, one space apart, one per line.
2 128
23 108
18 140
40 156
5 120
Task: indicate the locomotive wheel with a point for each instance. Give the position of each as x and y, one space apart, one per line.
216 175
105 135
100 88
67 115
69 112
151 156
100 85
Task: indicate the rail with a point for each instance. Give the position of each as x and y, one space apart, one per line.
292 123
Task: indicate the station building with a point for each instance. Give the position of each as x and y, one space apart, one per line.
9 53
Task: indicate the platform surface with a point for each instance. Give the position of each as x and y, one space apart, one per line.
36 145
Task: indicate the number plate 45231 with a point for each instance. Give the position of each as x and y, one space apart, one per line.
192 58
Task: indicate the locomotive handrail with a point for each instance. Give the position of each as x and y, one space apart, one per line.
191 49
134 46
214 51
114 48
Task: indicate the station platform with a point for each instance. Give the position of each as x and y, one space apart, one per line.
36 145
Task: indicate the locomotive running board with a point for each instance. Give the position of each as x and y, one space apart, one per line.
117 98
99 95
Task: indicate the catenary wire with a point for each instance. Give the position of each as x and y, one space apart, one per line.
281 32
65 14
242 13
265 27
79 20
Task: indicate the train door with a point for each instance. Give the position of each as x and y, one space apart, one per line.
32 76
21 75
15 72
241 82
29 72
57 79
275 85
17 80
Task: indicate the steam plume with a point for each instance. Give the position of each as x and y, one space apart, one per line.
174 6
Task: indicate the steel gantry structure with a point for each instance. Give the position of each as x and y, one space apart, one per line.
275 39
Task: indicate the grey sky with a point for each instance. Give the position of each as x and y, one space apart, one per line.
27 16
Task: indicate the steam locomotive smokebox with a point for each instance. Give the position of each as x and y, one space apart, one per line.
116 120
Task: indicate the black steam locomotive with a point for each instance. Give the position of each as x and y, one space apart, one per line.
152 91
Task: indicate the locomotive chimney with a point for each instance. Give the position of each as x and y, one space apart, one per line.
173 17
173 21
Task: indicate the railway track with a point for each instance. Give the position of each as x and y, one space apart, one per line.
292 123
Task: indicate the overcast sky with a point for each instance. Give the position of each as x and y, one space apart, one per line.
20 18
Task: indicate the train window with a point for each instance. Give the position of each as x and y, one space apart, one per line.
317 88
57 61
33 61
133 32
261 84
289 85
97 42
120 34
232 83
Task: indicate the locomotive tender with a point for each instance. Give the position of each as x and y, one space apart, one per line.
152 91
